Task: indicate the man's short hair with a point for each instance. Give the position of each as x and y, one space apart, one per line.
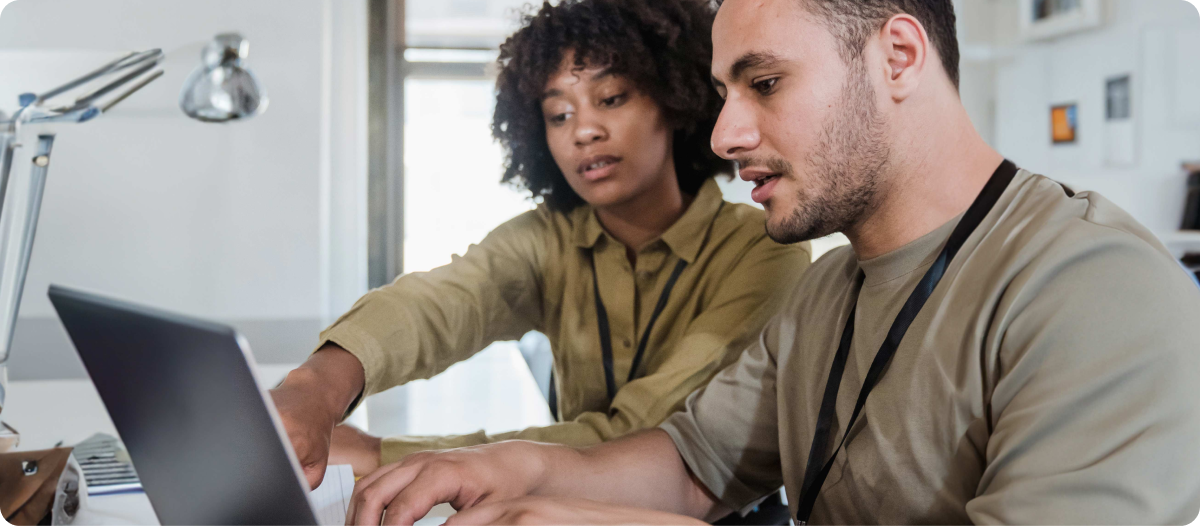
855 21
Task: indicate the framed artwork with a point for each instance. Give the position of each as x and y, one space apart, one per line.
1120 134
1043 19
1118 99
1064 123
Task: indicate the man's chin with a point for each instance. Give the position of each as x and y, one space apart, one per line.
791 230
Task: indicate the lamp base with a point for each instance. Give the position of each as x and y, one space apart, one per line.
9 438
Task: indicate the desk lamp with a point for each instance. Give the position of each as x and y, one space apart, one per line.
26 140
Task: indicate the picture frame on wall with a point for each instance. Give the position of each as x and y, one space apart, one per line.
1045 19
1064 123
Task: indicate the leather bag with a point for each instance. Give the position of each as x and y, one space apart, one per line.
30 483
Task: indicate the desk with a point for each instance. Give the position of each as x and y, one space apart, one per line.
79 413
494 390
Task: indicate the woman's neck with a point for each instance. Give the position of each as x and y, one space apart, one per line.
644 218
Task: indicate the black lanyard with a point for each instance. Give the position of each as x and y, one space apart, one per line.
814 474
606 336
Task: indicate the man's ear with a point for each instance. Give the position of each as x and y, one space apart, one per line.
905 47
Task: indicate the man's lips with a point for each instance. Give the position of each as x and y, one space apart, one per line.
597 166
758 176
764 182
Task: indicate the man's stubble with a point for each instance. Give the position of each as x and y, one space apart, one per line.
847 167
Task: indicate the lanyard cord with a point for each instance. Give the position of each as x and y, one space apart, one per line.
610 381
814 473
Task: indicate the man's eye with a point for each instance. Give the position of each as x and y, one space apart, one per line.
764 86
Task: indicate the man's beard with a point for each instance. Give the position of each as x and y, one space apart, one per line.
846 167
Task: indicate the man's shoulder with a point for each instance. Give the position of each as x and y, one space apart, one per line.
1047 225
1056 250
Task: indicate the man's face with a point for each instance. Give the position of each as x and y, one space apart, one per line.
802 124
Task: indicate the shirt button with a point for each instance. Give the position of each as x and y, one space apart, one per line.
645 274
627 343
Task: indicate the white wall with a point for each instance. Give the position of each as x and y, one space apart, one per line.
259 223
1156 41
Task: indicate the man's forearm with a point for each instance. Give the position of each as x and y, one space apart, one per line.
643 470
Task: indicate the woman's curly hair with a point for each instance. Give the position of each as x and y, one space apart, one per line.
663 46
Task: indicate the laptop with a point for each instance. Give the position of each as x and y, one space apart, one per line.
207 444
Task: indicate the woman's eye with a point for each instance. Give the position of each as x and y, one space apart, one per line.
558 119
613 100
764 86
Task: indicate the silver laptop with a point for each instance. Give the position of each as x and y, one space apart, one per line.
205 440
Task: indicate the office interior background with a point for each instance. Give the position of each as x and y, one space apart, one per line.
375 158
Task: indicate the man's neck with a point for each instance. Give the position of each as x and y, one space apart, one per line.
644 218
926 191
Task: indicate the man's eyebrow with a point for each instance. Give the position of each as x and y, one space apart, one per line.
752 60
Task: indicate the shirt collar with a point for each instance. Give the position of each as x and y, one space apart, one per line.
684 238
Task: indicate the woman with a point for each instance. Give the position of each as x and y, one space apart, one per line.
644 280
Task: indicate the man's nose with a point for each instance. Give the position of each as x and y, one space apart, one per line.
736 131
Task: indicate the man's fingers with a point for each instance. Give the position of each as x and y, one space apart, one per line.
483 514
363 482
413 502
371 496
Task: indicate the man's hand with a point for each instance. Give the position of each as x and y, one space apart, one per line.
356 448
312 400
549 510
404 492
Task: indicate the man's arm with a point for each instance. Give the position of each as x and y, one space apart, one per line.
728 432
1095 411
640 471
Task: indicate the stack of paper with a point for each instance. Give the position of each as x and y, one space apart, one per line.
331 499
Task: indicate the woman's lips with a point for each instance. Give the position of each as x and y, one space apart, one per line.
598 167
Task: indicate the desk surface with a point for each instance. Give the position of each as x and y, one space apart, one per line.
494 391
78 414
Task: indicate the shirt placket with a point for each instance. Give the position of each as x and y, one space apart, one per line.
618 290
647 274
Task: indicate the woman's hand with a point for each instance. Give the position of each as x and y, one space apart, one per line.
352 446
404 492
311 401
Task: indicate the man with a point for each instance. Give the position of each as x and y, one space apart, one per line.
992 347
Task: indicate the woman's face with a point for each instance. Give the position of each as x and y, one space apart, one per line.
609 139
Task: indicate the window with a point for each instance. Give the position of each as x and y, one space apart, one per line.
451 198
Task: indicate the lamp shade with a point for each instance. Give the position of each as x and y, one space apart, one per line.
222 89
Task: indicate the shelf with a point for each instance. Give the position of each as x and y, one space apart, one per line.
1181 241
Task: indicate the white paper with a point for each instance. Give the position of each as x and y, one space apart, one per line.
331 500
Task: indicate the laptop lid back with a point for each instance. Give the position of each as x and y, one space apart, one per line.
207 446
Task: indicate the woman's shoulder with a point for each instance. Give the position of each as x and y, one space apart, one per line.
543 226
